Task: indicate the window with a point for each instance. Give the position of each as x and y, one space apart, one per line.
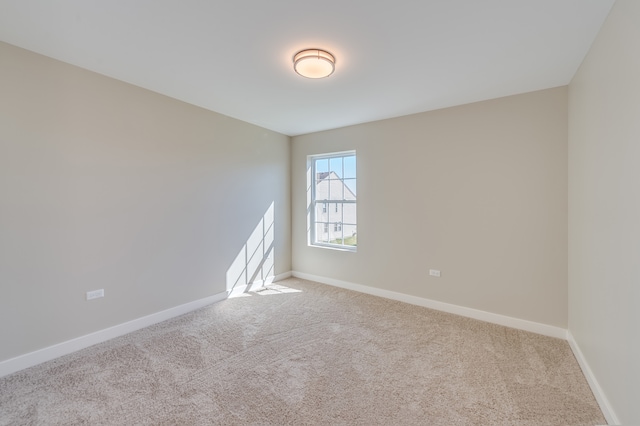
332 213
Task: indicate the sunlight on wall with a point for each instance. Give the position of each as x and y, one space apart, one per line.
254 265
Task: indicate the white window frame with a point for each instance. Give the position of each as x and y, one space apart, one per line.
311 164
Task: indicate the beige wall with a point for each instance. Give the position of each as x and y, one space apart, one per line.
604 209
106 185
477 191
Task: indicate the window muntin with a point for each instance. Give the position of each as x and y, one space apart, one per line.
333 200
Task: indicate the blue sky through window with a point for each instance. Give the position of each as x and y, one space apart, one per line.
336 165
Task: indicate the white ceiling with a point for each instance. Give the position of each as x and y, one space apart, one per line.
393 58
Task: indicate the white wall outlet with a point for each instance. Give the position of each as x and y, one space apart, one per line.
95 294
434 272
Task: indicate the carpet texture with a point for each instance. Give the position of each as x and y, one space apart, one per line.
303 353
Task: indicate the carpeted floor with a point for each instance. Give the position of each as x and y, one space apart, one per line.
302 353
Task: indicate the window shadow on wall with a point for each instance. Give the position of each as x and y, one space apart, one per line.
254 266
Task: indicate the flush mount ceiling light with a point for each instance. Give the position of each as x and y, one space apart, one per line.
314 63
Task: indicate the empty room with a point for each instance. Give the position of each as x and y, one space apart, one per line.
269 213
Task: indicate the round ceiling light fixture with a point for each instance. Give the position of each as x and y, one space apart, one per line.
314 63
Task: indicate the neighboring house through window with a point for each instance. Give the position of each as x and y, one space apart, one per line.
333 200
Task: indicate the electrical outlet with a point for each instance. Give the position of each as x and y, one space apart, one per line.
434 272
95 294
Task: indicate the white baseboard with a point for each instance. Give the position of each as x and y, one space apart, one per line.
51 352
283 276
603 402
520 324
46 354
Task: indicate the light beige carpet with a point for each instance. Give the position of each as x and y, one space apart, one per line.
303 353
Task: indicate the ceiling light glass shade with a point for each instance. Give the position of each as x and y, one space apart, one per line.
314 63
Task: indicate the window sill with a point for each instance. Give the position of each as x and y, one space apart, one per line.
334 247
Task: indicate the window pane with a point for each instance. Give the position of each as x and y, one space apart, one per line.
335 216
322 186
335 166
349 213
336 235
336 190
322 165
350 167
322 236
350 235
321 212
350 192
